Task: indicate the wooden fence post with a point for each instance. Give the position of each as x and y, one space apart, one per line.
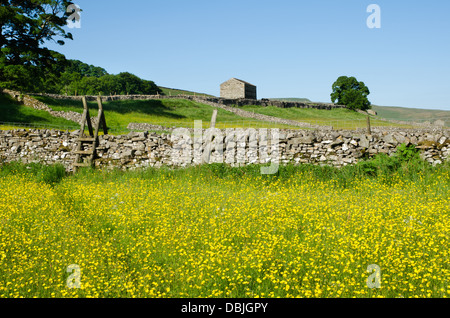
213 119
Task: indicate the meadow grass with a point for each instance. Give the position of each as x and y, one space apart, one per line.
165 112
20 116
339 118
218 231
413 114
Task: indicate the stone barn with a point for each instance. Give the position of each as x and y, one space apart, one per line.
236 88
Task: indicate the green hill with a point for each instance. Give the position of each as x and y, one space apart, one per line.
183 113
340 118
412 114
163 112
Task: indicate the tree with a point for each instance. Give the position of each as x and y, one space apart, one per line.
150 88
75 66
25 25
351 93
110 85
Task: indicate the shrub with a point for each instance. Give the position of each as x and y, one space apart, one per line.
407 153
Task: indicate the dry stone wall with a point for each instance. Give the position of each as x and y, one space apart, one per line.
222 101
143 149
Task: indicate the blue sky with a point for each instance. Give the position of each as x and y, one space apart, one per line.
286 48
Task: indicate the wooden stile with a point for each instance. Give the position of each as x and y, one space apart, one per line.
80 152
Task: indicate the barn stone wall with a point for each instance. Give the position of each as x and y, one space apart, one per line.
236 89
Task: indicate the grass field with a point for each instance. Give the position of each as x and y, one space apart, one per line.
214 231
413 114
337 118
168 112
183 113
13 112
165 112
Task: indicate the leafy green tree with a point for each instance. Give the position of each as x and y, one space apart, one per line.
25 25
25 65
150 88
75 66
351 93
109 85
129 83
90 86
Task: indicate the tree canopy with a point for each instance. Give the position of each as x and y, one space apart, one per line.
25 25
73 82
27 66
350 92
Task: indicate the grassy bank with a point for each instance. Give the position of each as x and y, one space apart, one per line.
165 112
17 115
337 118
413 114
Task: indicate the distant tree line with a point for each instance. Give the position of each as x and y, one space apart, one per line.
79 78
73 77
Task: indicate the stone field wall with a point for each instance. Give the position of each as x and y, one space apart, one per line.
143 149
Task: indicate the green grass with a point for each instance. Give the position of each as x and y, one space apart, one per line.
165 112
13 113
183 113
216 231
405 164
412 114
340 118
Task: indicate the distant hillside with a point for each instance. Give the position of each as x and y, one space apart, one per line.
412 114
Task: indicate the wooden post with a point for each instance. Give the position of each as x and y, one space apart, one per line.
369 131
88 117
101 116
93 139
213 119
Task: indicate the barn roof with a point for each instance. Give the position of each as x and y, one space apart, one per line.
240 81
